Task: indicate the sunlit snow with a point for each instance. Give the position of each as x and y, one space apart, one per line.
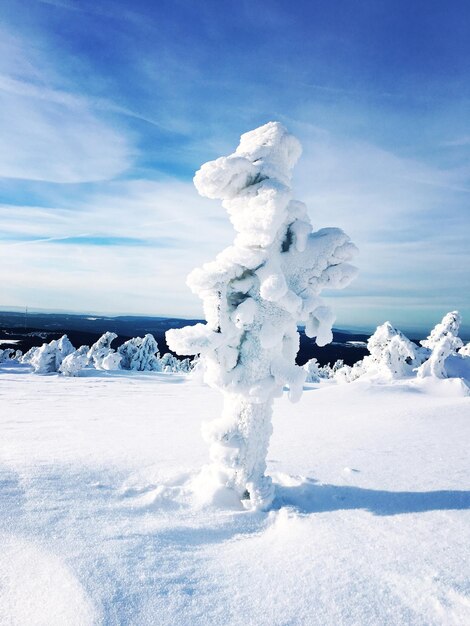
370 522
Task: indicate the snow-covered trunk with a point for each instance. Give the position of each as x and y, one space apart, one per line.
238 447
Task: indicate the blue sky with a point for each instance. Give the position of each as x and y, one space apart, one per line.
108 108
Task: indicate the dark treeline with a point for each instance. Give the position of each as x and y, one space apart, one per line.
33 329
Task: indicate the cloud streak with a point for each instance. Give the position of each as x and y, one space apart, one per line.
106 115
49 134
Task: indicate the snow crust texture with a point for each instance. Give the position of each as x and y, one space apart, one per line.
254 295
370 524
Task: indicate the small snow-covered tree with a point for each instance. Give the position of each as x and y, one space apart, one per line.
448 327
49 356
44 360
348 373
312 369
28 355
185 366
6 355
64 348
110 361
254 294
391 353
336 366
101 355
169 363
442 342
140 354
74 362
127 351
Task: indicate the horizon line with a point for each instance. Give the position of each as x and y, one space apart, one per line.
464 328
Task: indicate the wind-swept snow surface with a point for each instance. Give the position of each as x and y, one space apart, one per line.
254 294
370 522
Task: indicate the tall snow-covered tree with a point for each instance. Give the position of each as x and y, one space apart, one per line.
254 294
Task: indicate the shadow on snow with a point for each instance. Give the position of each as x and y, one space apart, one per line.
314 497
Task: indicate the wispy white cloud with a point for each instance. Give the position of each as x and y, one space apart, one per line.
408 216
28 242
48 133
151 278
401 224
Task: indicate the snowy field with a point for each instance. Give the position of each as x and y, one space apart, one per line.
98 525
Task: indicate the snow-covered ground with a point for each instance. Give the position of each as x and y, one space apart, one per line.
98 525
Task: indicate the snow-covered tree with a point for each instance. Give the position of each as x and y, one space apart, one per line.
442 342
312 369
101 355
448 327
64 348
44 359
110 361
336 366
391 355
350 373
48 358
169 363
76 361
254 294
6 355
27 356
140 354
185 366
317 372
128 350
